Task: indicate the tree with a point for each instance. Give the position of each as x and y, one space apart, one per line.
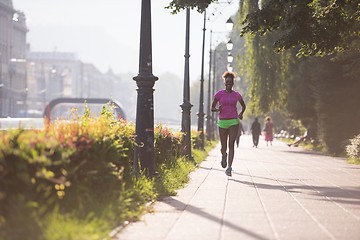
319 26
265 70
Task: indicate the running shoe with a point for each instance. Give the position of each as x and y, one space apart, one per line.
223 161
228 171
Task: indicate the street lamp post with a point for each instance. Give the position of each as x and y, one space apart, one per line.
186 106
213 94
209 132
201 103
145 80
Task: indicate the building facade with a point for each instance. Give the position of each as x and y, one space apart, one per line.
52 75
13 87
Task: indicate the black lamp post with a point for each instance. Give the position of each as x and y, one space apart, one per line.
213 93
209 132
201 103
145 80
186 106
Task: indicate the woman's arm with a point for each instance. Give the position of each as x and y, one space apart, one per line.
213 106
243 107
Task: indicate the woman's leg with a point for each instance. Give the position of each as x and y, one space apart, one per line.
223 133
256 140
232 137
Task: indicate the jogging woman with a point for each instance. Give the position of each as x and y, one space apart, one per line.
228 118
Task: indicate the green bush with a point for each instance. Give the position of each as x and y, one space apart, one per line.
196 139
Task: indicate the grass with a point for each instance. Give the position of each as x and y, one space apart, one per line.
176 174
354 161
106 215
310 146
59 226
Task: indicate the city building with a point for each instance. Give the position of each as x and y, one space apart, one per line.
13 88
52 75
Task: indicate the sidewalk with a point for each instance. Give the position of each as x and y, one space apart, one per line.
275 192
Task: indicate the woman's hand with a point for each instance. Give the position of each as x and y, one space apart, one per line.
213 105
213 109
241 101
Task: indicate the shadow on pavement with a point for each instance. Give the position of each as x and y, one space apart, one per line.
184 207
307 152
348 195
240 174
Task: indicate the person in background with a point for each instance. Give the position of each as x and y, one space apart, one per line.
241 130
296 143
268 131
308 135
255 131
228 118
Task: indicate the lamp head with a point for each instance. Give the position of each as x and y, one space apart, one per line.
229 24
230 58
229 67
229 45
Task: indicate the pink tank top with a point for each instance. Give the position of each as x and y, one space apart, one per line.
228 102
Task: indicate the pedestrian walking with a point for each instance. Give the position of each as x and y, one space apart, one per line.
240 130
256 132
268 130
228 118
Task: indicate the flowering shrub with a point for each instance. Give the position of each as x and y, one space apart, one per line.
167 144
353 149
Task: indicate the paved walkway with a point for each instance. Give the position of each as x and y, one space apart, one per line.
275 193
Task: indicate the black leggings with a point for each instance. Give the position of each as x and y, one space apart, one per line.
255 139
224 133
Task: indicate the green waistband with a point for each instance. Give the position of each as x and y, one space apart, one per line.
227 122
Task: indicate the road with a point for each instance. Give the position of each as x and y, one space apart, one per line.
275 192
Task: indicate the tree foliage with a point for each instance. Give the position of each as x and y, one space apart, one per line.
319 26
265 70
178 5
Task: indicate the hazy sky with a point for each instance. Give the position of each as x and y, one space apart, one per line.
106 32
